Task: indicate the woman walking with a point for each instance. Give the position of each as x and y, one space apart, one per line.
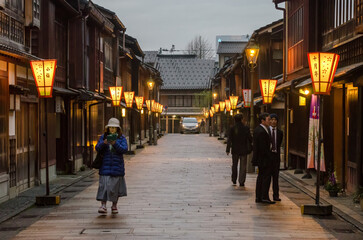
112 145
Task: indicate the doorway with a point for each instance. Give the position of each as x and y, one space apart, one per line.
26 145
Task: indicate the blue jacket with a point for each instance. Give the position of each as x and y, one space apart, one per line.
113 161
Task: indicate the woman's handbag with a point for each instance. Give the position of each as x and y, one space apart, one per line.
97 163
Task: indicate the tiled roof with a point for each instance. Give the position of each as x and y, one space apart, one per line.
231 47
150 57
186 72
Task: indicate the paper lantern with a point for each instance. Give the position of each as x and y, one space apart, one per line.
116 94
233 100
139 102
43 73
129 98
228 105
322 70
267 87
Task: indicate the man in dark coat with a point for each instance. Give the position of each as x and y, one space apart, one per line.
240 139
276 140
262 158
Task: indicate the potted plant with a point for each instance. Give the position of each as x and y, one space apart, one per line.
332 185
358 197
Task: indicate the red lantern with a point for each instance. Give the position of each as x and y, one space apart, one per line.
228 105
216 107
116 94
233 100
267 87
149 104
139 102
44 72
129 98
322 70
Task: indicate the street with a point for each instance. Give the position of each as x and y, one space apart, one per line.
179 189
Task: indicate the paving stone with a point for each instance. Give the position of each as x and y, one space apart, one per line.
179 189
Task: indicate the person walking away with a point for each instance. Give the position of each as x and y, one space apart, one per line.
112 185
276 140
262 158
202 126
240 140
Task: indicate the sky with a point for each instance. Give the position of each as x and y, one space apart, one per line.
163 23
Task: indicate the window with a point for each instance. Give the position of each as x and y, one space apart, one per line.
187 101
226 59
36 9
296 36
196 101
359 13
11 28
60 28
108 55
296 33
179 101
344 11
17 6
171 101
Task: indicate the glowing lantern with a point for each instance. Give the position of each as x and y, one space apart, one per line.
233 100
228 105
150 84
252 53
222 105
216 107
149 104
213 110
139 102
211 113
215 96
267 87
116 94
43 72
246 93
155 105
206 114
129 98
322 70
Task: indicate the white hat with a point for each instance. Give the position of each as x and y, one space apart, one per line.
113 122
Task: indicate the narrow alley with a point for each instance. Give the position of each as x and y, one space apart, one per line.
179 189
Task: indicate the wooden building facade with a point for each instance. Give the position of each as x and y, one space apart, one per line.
88 42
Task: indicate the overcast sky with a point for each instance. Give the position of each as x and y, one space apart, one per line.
161 23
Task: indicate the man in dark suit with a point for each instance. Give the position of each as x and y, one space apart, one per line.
240 139
262 158
276 140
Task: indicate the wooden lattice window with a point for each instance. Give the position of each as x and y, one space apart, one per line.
36 9
11 28
4 25
359 12
4 125
296 37
344 11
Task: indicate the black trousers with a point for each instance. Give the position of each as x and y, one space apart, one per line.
275 175
263 182
242 168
